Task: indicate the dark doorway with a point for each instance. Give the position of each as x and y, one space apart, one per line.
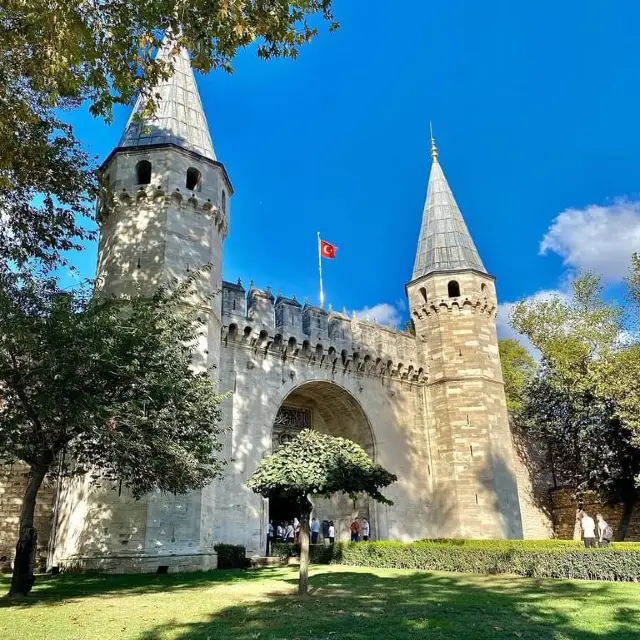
282 510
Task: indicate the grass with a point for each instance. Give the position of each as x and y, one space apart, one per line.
346 603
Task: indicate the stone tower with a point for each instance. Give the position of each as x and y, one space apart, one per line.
453 306
169 211
166 216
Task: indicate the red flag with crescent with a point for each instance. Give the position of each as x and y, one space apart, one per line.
328 250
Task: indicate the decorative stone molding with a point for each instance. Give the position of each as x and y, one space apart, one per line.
127 200
478 305
359 359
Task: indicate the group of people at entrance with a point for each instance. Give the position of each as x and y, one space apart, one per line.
604 534
289 531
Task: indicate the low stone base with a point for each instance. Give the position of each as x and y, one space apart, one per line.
139 563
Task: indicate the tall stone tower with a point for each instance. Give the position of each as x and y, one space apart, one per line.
169 211
453 305
168 215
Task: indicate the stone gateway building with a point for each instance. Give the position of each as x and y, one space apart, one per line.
429 407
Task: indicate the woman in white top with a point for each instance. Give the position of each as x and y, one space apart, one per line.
289 532
332 533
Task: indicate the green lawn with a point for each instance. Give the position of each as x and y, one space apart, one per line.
346 603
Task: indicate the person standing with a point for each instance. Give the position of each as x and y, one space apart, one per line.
270 533
365 529
288 533
355 531
605 532
332 532
296 530
279 533
315 531
588 529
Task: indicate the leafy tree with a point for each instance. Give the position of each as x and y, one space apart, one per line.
47 183
317 464
55 55
582 401
518 368
108 383
620 373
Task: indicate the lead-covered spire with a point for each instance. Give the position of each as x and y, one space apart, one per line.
445 243
179 118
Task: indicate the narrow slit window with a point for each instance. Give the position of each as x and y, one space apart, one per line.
194 179
143 172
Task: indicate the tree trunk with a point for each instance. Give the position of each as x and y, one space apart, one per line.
24 565
304 555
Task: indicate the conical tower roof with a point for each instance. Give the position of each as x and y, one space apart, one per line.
445 243
179 118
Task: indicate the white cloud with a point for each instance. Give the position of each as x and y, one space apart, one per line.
383 313
598 238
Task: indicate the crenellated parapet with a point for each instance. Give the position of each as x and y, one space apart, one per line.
284 328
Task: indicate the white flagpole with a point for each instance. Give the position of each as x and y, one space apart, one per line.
320 272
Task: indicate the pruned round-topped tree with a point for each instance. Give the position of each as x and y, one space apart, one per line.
317 464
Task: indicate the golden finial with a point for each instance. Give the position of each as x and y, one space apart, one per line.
434 149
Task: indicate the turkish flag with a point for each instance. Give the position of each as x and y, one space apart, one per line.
328 250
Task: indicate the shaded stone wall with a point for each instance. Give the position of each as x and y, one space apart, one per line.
535 480
13 482
565 508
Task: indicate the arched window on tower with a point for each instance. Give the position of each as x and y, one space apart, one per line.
223 204
143 172
194 179
423 293
454 289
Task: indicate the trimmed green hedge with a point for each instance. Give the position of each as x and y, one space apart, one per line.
230 556
535 558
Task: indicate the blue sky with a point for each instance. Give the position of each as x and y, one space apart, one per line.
535 109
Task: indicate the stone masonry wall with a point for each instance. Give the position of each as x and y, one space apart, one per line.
264 376
471 440
13 482
565 508
534 483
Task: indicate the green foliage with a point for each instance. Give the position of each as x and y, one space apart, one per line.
47 183
619 375
582 403
319 464
518 368
535 559
230 556
572 333
104 52
110 383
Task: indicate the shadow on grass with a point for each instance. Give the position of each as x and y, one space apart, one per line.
348 605
66 587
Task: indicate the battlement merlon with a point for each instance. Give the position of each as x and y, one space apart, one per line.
260 321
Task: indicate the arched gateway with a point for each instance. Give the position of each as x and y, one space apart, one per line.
331 409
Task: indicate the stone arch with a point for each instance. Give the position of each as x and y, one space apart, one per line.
332 409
